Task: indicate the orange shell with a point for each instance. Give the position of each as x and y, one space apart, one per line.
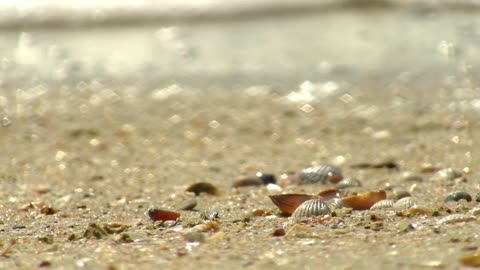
163 215
289 202
365 200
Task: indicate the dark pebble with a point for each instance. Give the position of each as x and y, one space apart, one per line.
458 195
266 178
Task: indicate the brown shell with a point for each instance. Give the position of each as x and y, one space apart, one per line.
246 182
288 203
204 187
365 200
329 194
163 215
310 208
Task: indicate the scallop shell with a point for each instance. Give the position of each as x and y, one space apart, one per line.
313 207
348 183
383 204
288 203
404 204
321 174
365 200
456 218
336 203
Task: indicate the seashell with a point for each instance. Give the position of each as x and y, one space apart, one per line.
383 204
456 218
365 200
348 183
458 195
329 194
419 210
288 203
404 204
400 194
321 174
246 182
448 174
336 203
205 187
163 215
410 177
310 208
472 259
266 178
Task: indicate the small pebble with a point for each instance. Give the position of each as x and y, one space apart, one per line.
266 178
458 195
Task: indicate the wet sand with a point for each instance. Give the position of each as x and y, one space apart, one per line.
100 156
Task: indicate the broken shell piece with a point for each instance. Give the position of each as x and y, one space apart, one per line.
365 200
321 174
288 203
310 208
204 187
456 218
419 210
162 215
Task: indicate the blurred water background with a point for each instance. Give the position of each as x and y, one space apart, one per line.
304 49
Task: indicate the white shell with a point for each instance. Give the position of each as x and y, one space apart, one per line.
313 207
319 174
456 218
447 174
383 204
404 204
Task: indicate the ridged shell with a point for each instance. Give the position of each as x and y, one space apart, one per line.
336 203
321 174
348 183
404 204
456 218
310 208
447 174
383 204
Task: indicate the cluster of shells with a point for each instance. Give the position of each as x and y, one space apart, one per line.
332 200
301 206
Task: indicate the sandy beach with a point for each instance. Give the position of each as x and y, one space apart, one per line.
100 157
101 124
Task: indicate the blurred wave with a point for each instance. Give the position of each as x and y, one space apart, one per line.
60 13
